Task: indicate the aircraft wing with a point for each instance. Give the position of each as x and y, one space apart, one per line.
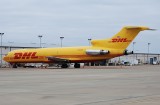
57 59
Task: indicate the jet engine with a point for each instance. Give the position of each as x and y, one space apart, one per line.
97 52
126 52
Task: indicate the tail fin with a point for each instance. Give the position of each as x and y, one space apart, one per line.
122 39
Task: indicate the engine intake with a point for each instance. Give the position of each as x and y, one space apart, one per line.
97 52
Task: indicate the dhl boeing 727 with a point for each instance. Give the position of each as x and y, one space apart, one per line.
99 50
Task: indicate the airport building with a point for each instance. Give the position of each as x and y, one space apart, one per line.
133 59
136 59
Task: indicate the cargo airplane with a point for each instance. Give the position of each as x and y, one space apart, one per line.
99 50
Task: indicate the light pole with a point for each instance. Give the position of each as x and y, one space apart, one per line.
148 52
1 46
133 51
89 40
133 46
61 40
40 37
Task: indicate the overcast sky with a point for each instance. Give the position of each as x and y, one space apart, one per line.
77 20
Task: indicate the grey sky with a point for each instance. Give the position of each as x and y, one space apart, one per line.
77 20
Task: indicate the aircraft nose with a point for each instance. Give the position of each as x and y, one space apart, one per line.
6 58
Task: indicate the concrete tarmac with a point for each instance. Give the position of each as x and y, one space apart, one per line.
136 85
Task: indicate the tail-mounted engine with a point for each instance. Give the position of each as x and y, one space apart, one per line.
126 52
97 52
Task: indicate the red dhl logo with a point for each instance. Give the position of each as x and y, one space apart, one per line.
118 39
25 55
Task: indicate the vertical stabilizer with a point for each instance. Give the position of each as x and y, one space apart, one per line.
122 39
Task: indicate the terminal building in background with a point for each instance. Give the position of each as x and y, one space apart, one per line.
133 59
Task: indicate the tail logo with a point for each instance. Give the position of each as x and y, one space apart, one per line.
119 39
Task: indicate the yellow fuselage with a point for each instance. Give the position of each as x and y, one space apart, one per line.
73 54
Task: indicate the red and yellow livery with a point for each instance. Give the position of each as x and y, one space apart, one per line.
99 50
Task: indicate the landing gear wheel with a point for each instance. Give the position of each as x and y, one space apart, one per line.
64 66
76 65
14 65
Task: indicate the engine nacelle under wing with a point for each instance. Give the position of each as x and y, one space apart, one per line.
97 52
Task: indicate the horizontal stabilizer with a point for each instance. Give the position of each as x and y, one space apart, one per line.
152 29
139 27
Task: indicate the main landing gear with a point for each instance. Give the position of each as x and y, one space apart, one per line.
76 65
65 65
